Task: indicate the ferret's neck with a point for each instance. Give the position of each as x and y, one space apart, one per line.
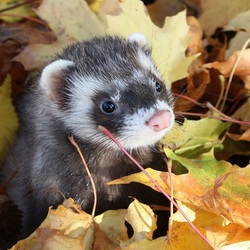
106 157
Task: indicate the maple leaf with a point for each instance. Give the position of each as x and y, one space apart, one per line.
226 67
216 186
168 55
169 43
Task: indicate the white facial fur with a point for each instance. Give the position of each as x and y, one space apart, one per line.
136 131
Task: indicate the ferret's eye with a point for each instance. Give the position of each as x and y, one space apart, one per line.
108 107
158 87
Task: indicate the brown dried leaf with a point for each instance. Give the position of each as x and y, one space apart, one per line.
13 39
195 34
242 68
70 21
243 137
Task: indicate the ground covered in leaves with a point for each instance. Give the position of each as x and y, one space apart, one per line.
202 52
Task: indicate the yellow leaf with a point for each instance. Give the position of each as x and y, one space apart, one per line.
142 219
168 43
112 224
219 231
146 244
66 227
8 117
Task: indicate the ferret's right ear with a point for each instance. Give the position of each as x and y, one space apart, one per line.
52 78
139 38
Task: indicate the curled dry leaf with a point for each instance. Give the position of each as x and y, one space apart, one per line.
242 68
68 227
242 61
112 224
142 219
195 33
242 137
63 228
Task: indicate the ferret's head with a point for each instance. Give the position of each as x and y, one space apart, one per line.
113 82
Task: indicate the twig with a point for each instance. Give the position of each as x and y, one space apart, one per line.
169 164
232 72
222 84
214 117
18 5
208 105
203 105
33 19
88 172
106 132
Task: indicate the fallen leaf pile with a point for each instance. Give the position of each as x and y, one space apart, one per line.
204 57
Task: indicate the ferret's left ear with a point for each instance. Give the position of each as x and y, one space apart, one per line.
52 79
139 38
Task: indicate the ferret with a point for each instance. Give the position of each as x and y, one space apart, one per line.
108 81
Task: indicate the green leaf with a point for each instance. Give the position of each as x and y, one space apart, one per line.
196 137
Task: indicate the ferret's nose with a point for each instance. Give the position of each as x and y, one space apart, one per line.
160 120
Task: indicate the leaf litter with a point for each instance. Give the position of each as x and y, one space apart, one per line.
212 191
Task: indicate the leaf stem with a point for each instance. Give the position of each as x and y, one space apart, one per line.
208 105
33 19
232 72
18 5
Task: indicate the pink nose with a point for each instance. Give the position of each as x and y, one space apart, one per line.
160 120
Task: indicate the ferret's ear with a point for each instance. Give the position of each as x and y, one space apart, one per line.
139 38
53 79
